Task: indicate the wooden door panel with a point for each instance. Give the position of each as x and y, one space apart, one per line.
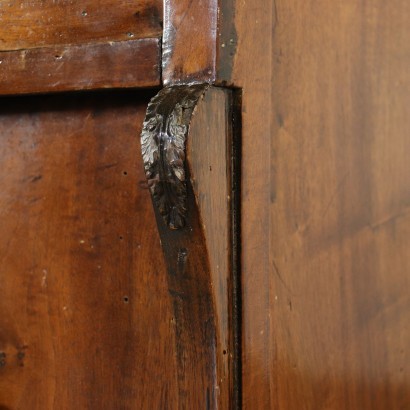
85 316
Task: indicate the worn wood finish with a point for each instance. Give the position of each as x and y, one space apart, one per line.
121 64
197 240
189 41
32 24
86 321
325 228
199 42
209 157
194 318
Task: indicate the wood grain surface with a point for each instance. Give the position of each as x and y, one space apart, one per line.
122 64
86 321
35 23
209 152
189 41
198 252
194 319
326 194
199 42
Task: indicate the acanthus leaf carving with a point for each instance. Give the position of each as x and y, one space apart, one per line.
163 140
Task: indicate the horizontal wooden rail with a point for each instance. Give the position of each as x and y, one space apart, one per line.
121 64
33 24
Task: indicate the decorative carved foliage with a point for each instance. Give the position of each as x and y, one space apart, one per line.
163 148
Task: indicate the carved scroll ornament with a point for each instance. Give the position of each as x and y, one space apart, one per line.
163 149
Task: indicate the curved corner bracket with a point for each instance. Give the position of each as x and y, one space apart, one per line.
163 139
188 142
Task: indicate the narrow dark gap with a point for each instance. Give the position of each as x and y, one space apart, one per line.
236 247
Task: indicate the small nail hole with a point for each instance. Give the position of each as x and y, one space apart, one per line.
125 173
126 300
224 352
121 238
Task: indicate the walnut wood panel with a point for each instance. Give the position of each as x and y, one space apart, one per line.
325 227
86 321
209 152
120 64
32 24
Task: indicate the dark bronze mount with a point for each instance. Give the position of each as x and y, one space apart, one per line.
163 140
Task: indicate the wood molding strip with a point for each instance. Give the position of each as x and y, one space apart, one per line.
122 64
34 24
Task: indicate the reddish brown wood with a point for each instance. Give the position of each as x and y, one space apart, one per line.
32 24
252 72
194 318
197 239
325 227
121 64
199 41
86 321
209 157
189 41
325 233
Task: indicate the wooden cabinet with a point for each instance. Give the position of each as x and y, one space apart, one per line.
204 205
